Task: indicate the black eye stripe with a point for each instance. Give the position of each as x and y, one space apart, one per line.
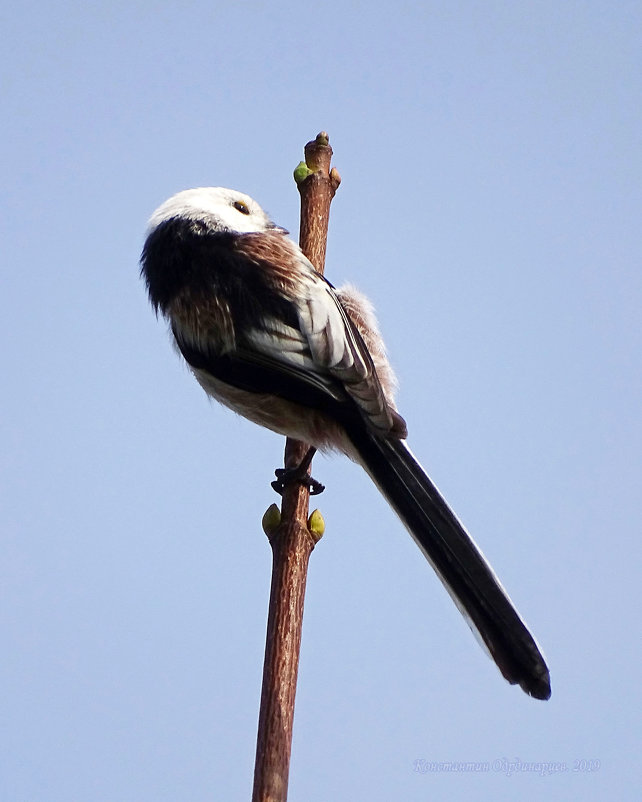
241 207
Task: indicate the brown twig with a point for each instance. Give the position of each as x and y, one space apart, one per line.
291 539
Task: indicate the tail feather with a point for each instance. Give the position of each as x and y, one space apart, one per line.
458 562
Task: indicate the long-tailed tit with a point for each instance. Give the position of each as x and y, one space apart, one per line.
269 337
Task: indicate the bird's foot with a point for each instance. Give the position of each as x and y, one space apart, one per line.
299 475
287 476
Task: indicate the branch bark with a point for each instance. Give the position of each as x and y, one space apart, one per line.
291 540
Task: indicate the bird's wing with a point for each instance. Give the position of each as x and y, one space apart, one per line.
326 347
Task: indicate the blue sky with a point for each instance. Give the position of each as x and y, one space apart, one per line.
490 207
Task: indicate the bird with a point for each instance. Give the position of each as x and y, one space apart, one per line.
272 339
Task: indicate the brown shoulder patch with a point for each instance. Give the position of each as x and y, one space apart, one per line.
276 254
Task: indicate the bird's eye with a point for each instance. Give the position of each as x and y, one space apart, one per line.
241 207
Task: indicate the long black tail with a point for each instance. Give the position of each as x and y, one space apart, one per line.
458 562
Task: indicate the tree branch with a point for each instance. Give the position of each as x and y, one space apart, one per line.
291 538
